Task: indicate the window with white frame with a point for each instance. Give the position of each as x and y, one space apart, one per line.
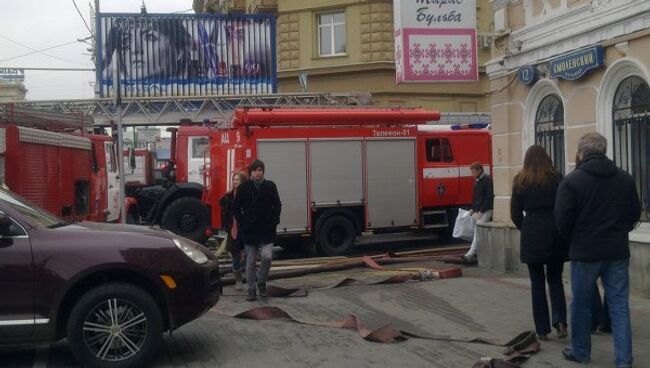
331 34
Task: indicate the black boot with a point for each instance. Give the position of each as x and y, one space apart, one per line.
251 295
262 288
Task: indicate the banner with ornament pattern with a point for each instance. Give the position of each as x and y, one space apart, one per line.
435 41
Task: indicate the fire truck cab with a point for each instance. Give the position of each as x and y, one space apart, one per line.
176 204
341 172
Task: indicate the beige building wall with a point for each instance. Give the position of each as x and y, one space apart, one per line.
533 32
513 104
12 91
580 117
368 64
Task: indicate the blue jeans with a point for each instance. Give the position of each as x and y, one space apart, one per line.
260 276
616 282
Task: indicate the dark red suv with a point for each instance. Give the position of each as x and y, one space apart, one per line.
110 289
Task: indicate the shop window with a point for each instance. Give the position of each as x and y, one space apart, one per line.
439 150
631 146
549 129
331 34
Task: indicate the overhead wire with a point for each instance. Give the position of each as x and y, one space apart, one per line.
82 17
37 51
33 49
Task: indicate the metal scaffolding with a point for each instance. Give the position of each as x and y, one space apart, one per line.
170 110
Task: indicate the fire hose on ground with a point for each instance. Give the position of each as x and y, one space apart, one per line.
518 349
299 268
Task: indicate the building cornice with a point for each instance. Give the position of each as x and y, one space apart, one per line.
340 68
572 31
498 4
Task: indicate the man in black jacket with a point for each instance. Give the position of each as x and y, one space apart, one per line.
482 206
596 207
257 209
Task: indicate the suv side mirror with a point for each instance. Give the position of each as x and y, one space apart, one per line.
131 158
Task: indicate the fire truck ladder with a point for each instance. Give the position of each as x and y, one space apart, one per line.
170 110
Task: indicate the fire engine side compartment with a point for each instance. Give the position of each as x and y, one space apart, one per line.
336 172
391 181
286 165
316 174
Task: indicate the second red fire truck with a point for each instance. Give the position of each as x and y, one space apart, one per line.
70 175
341 172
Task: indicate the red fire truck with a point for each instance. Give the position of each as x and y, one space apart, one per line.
72 176
176 204
141 169
344 171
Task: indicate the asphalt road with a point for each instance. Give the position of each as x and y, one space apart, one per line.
478 304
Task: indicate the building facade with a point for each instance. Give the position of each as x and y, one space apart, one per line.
12 91
347 46
560 69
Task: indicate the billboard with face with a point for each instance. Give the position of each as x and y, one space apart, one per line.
186 55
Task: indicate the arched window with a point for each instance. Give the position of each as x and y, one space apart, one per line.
549 129
631 117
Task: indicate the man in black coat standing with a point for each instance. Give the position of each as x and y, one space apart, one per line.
257 209
482 206
596 207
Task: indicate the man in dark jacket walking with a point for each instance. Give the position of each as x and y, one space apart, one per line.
596 207
257 209
482 206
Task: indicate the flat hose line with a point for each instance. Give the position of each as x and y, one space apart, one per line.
302 291
518 349
408 274
419 273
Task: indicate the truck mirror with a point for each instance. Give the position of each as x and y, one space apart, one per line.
131 158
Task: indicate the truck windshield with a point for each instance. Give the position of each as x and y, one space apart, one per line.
36 216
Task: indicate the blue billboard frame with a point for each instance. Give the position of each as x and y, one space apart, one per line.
223 17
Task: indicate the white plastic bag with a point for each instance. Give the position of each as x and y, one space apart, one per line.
464 227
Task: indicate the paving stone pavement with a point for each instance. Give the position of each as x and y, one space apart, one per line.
480 303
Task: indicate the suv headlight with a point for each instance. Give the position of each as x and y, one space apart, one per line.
191 251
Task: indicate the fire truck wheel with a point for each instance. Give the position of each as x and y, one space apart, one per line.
336 236
187 217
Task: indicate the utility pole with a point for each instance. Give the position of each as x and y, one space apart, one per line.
117 91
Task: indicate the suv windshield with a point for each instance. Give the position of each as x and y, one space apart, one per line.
36 216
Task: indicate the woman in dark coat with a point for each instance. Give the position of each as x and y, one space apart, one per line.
229 224
531 210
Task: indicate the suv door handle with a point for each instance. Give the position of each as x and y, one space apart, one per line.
6 242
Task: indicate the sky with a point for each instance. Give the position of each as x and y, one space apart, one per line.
39 24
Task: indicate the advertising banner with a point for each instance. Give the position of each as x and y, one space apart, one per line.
186 55
435 41
148 135
12 75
